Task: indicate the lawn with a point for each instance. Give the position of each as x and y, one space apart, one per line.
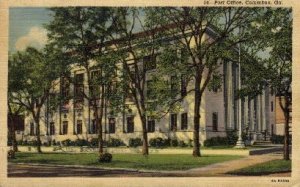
134 161
274 166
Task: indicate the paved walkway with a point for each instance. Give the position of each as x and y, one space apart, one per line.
217 170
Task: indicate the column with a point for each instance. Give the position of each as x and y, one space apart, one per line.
230 96
258 114
246 115
263 110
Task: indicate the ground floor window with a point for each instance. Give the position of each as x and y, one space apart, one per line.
173 122
111 125
79 127
151 125
130 124
65 128
215 121
184 121
94 127
52 128
31 129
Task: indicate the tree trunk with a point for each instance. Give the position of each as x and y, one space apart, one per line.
12 135
99 120
145 150
196 138
38 137
286 151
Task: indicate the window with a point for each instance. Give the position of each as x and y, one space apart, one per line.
150 89
173 122
79 127
151 125
184 121
94 87
52 128
183 85
65 87
174 87
111 125
65 127
215 121
78 88
149 63
94 127
31 129
272 106
130 124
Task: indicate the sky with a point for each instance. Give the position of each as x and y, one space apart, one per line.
26 27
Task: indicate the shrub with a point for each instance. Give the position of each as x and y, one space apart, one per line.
11 154
135 142
277 139
105 157
182 144
190 143
114 142
25 142
174 142
216 141
54 142
68 142
81 142
158 142
231 137
94 142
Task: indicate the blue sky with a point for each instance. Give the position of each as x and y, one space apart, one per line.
26 27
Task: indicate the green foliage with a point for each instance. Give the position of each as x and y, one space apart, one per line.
159 142
114 142
68 142
216 141
135 142
105 158
94 142
11 154
279 139
81 142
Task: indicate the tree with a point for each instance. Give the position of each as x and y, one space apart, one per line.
81 34
137 52
273 39
14 111
189 26
31 79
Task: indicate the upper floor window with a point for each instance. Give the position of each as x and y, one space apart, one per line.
272 106
52 128
173 122
183 85
174 86
65 87
150 89
184 121
149 63
151 125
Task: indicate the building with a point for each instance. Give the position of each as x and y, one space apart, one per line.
74 119
278 127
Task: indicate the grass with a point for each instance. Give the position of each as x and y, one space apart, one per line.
274 166
133 161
